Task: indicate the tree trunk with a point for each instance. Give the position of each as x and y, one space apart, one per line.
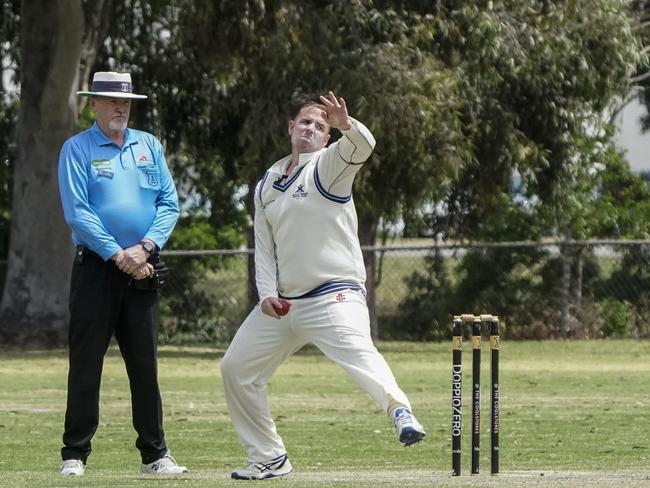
367 233
34 307
96 21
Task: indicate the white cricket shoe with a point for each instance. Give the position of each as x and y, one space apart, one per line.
165 465
409 429
72 467
278 466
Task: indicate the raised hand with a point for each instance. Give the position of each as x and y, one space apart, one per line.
336 111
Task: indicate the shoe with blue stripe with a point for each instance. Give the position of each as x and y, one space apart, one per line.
279 466
409 429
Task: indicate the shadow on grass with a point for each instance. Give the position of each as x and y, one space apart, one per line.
203 351
193 352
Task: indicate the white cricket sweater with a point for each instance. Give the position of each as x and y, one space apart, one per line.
306 225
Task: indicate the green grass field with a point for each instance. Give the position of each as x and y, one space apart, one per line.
572 414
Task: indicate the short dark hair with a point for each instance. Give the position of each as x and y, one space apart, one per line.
302 101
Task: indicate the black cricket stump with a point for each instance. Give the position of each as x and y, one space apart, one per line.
456 392
476 394
456 396
494 400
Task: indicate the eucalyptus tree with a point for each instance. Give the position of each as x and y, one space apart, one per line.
540 79
51 40
641 75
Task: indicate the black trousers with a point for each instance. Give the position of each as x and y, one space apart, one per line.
103 303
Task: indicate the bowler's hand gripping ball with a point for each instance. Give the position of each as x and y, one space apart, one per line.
283 308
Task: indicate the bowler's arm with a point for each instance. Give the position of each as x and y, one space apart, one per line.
340 162
265 265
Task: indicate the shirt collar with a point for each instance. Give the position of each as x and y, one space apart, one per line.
102 139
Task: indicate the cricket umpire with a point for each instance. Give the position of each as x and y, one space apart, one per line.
120 202
307 253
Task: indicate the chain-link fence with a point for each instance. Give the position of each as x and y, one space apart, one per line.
554 289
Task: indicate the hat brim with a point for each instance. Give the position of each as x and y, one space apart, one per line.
110 94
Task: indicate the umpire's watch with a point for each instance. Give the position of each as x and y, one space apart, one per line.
148 246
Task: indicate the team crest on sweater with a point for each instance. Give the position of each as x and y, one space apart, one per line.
300 192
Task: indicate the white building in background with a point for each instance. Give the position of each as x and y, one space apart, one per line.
631 139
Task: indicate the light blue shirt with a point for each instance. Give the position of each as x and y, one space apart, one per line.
114 197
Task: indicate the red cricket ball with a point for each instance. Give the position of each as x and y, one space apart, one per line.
283 308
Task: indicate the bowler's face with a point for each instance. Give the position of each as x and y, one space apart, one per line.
112 114
309 130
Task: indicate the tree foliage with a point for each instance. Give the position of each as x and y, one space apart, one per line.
455 92
461 97
641 74
540 79
230 105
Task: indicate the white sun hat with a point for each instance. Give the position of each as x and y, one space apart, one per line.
111 84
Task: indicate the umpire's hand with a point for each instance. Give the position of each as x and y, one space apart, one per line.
132 259
144 271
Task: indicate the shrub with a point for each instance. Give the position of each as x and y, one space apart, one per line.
616 316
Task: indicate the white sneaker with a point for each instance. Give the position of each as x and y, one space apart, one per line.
72 467
165 465
409 429
278 466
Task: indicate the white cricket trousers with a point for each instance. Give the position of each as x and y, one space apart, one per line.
335 323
